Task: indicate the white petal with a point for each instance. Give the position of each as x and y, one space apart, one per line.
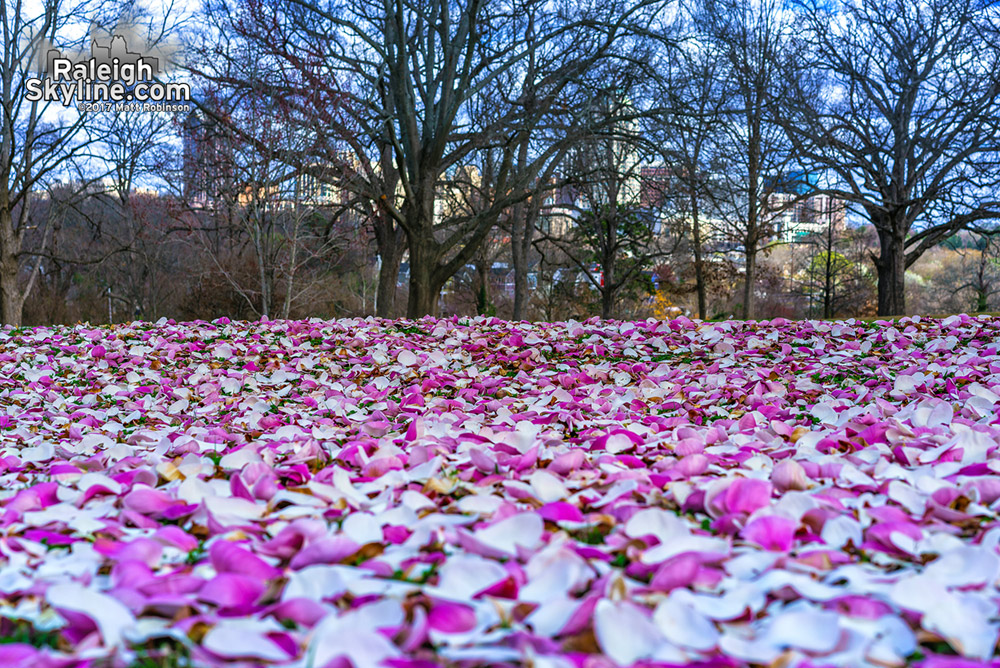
465 575
962 619
546 487
682 544
364 647
318 582
811 630
88 480
552 615
482 504
661 523
232 510
919 593
38 453
362 528
110 615
754 651
524 529
840 529
231 641
731 604
406 358
968 565
685 626
907 497
625 633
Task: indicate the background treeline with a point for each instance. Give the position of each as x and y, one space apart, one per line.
533 159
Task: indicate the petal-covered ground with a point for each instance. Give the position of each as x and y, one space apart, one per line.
479 493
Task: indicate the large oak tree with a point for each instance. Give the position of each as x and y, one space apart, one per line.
907 120
403 77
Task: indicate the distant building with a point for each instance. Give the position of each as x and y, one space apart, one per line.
655 183
208 158
460 195
323 183
559 208
314 190
794 218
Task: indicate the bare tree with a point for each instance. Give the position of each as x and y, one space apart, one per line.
978 270
39 142
136 227
693 83
907 122
259 208
282 50
404 75
752 157
44 143
613 238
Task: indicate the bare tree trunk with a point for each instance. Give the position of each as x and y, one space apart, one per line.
424 291
482 286
287 306
262 261
423 297
891 268
265 294
391 256
982 288
608 278
699 265
10 295
607 303
828 270
520 243
828 289
748 284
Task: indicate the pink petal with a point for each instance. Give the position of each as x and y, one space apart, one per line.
18 655
771 532
326 551
147 500
303 611
227 557
560 511
746 495
229 590
449 617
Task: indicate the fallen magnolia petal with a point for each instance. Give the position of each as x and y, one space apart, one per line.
367 492
111 617
233 641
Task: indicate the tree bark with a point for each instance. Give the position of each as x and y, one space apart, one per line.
391 255
828 270
482 286
608 274
699 266
982 288
748 284
10 294
423 297
520 242
891 268
265 283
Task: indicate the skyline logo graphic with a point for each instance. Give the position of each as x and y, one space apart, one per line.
111 77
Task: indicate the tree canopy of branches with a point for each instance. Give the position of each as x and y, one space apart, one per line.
693 82
45 146
615 235
401 79
902 115
752 157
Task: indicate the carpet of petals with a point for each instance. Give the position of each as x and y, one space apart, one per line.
472 492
